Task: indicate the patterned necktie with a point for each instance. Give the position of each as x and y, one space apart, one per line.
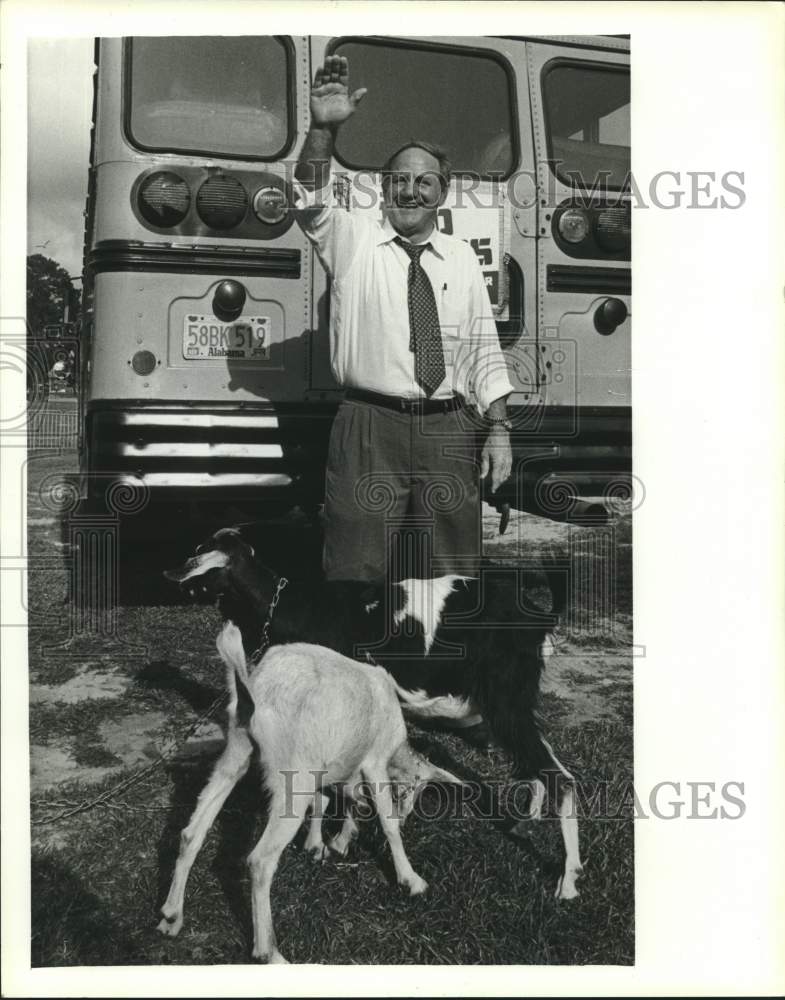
425 335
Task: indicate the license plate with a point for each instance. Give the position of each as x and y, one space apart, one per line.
246 339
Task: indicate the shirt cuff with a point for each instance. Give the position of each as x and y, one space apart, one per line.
491 389
306 200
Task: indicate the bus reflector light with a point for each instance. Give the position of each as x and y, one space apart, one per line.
164 199
143 362
574 225
270 205
222 202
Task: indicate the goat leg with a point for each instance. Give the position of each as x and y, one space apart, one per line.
230 767
566 888
391 824
314 844
341 841
263 861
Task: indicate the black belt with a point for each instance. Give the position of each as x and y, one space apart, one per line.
403 404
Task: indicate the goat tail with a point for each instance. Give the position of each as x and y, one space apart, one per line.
417 703
230 648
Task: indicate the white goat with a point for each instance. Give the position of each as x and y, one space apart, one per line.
319 719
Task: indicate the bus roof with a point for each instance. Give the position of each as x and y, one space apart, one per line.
618 43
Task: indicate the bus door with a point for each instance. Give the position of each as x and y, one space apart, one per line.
580 112
462 94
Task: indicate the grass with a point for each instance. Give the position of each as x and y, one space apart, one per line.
99 877
490 899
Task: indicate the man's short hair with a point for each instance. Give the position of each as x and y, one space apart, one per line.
445 168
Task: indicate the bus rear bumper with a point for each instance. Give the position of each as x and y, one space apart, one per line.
255 452
172 451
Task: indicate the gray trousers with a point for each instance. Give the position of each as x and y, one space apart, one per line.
401 495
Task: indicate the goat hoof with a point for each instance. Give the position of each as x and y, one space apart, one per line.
273 957
170 926
338 847
416 886
566 888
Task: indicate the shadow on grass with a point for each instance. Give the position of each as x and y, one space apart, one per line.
70 924
160 675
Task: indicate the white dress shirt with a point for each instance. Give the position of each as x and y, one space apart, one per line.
369 313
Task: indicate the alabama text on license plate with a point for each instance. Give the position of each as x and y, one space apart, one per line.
208 337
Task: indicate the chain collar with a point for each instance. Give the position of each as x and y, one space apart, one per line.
257 653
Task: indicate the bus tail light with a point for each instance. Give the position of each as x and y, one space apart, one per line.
164 199
574 225
613 229
222 202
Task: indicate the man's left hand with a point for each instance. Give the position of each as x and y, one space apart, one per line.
496 457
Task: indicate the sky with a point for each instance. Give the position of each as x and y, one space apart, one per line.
59 110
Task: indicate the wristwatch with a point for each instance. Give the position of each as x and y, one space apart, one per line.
500 422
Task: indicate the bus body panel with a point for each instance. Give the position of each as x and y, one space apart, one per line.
163 372
586 368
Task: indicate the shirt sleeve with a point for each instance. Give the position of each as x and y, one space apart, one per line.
327 225
487 368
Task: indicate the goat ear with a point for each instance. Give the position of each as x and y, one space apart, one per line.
198 566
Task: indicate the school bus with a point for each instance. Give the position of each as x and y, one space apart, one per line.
205 350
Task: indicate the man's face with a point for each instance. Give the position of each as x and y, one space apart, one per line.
413 192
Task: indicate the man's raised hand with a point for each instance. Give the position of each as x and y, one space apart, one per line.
331 102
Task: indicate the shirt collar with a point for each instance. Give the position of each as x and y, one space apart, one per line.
387 234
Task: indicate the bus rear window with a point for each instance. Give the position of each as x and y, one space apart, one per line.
458 99
222 96
587 111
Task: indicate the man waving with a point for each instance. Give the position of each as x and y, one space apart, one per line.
413 341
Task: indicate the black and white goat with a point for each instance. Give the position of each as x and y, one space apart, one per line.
456 646
319 720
